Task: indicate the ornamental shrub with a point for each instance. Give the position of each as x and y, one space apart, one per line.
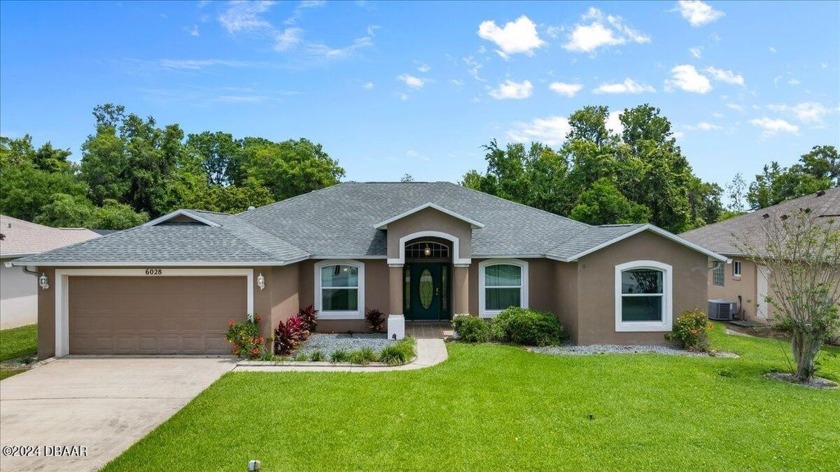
375 320
289 335
363 356
691 331
471 329
245 337
309 316
399 353
528 327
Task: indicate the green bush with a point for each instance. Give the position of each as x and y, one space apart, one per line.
529 327
340 355
317 356
398 353
301 357
691 331
471 329
245 337
363 356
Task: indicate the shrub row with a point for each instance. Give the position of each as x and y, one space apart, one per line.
513 325
396 354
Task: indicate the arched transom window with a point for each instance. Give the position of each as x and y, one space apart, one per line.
426 250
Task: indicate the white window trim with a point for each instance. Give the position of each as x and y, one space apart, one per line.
667 299
456 247
736 274
340 315
62 292
523 294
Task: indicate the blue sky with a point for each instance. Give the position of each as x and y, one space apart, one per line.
390 88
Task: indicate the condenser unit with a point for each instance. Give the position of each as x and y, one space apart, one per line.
721 310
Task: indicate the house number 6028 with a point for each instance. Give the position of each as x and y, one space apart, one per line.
154 272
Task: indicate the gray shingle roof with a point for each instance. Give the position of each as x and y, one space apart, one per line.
335 222
726 236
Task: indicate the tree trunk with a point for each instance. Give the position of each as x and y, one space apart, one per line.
805 349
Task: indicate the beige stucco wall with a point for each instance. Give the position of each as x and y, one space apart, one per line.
18 297
596 286
566 296
46 317
429 219
745 286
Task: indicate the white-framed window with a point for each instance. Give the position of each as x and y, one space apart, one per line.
736 269
340 290
502 283
719 275
643 296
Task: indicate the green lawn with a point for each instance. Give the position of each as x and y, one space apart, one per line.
17 342
499 407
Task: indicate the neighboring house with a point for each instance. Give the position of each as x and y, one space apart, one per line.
743 281
18 289
423 250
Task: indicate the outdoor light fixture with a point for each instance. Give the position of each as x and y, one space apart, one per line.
261 281
43 281
427 251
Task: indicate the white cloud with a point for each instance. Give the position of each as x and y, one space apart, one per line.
368 85
287 39
771 126
569 90
412 81
678 134
243 16
735 106
512 90
806 112
456 82
403 96
685 77
192 30
726 76
516 37
328 52
551 131
198 64
614 122
697 52
698 13
628 86
424 68
772 49
717 114
599 30
703 126
794 82
473 67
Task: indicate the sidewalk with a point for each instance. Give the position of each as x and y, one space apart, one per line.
429 352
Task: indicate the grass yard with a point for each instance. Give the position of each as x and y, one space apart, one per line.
15 343
496 407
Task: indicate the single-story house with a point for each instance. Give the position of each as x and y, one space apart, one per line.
741 280
19 289
426 251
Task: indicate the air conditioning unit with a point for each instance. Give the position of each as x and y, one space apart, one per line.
721 310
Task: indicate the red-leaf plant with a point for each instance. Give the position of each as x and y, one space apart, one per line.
309 315
289 335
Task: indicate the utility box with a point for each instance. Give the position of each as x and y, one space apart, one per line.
396 326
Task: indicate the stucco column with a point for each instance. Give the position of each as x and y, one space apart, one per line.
461 290
395 289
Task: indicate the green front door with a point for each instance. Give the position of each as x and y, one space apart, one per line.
428 291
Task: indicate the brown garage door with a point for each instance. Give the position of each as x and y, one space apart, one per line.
153 315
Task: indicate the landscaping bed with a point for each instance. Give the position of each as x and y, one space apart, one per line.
595 349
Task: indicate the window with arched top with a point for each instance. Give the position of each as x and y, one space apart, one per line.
502 283
340 290
426 250
643 300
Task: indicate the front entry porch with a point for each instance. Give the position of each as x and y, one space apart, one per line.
428 329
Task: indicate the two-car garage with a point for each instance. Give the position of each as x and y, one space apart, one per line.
149 311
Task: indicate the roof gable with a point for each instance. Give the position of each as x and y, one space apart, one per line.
384 224
180 217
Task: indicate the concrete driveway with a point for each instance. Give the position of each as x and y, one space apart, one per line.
79 413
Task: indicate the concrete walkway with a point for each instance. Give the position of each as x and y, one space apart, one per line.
96 407
429 352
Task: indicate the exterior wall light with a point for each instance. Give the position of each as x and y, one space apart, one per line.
261 281
44 281
427 251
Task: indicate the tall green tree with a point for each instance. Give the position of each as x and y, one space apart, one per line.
816 170
603 203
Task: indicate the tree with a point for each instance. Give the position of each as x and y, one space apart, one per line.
219 154
802 251
406 178
816 170
736 193
66 211
604 204
115 215
289 168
